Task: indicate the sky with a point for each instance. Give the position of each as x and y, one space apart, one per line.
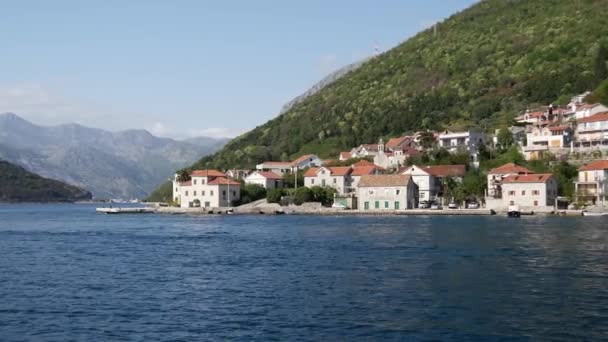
187 68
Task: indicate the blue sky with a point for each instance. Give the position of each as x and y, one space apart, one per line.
185 68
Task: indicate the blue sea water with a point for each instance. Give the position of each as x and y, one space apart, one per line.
67 273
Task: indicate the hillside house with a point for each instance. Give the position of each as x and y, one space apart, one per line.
543 139
588 110
387 192
395 157
592 131
267 179
591 184
206 188
280 168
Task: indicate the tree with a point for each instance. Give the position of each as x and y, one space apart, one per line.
504 139
601 63
274 195
600 94
252 192
289 179
183 176
427 140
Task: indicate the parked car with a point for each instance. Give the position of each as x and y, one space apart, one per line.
473 205
453 205
436 206
424 205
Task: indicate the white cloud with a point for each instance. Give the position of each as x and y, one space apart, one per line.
158 128
216 132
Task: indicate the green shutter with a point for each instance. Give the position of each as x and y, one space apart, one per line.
366 205
377 204
385 204
396 205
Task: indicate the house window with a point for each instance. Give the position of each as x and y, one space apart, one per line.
511 202
523 192
322 182
536 203
203 181
194 182
535 192
322 172
397 192
312 181
366 205
377 204
335 181
511 193
203 193
234 193
194 193
385 204
223 192
186 192
176 190
396 205
211 192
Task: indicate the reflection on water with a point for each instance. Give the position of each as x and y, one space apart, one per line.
67 273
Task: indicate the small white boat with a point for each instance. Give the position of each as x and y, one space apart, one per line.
125 210
587 213
513 211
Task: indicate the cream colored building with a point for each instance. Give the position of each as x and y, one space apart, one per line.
206 189
267 179
334 177
591 185
532 192
496 176
387 192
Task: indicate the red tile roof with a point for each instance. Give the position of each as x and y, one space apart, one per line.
362 162
533 178
345 155
535 114
207 173
368 181
446 170
334 171
587 106
509 168
302 159
395 142
269 175
366 170
594 118
223 181
288 164
595 165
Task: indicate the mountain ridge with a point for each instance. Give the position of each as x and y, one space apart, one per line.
476 69
123 164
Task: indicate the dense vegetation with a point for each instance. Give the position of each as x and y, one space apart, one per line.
19 185
478 68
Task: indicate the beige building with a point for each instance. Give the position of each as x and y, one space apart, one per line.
533 192
207 189
496 176
387 192
591 185
429 179
280 168
267 179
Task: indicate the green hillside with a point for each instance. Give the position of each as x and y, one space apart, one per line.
19 185
478 68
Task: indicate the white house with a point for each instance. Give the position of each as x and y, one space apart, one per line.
532 192
587 110
396 156
280 168
365 150
429 179
267 179
387 192
206 188
337 177
495 177
238 173
591 185
468 141
593 131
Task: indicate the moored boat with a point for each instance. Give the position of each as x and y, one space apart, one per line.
111 210
587 213
513 211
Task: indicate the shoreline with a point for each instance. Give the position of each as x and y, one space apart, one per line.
340 212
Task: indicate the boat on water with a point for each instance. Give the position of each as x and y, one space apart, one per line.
588 213
111 210
513 211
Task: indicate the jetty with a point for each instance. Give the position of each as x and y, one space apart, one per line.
126 210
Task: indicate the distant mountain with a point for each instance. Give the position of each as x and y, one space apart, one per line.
19 185
125 164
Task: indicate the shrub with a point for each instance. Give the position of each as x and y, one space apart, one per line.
274 195
302 195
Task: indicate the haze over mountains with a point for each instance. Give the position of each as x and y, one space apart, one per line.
125 164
